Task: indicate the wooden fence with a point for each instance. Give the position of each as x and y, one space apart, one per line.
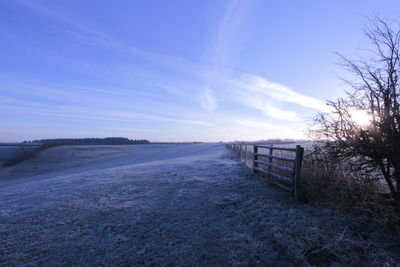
280 165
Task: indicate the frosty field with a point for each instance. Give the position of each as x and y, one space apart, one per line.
187 204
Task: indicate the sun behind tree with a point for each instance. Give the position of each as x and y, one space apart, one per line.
361 117
364 127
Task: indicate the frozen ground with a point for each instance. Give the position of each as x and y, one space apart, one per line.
190 205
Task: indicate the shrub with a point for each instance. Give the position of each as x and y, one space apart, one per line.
21 156
364 126
24 154
335 183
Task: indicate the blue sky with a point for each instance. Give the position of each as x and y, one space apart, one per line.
174 70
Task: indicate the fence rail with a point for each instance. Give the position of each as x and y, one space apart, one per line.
282 168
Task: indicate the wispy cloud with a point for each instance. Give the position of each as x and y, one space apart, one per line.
213 83
93 113
223 48
266 106
81 102
230 37
175 91
277 130
255 91
207 100
82 31
261 94
278 92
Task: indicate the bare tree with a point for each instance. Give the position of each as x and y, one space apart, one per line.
364 126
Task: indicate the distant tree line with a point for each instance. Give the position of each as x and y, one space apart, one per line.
91 141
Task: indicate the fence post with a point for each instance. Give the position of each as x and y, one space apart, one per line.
271 151
297 173
255 165
245 154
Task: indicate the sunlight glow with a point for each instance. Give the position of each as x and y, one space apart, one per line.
360 117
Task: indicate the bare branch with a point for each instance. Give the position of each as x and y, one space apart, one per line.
375 90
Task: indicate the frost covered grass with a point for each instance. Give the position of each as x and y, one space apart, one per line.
199 207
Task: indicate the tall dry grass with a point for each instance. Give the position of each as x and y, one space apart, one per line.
334 183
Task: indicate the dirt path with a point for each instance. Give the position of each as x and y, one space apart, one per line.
206 209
